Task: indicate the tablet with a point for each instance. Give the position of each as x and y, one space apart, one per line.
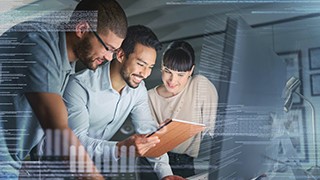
171 133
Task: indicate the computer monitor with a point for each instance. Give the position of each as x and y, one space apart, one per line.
249 97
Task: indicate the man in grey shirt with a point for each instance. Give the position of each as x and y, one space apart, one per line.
99 102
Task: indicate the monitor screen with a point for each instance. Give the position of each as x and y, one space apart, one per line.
250 98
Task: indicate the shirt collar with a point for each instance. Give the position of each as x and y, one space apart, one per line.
106 80
105 76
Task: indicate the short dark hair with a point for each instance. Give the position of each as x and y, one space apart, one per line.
142 35
179 56
101 15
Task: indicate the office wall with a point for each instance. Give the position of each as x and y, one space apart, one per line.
298 38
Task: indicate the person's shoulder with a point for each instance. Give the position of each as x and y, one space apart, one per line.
34 31
35 26
95 80
199 76
200 79
85 76
152 91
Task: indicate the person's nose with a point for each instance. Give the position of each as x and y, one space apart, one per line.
145 72
173 78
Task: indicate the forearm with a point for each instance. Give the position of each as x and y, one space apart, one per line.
99 147
52 116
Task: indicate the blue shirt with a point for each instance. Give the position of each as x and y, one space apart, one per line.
97 111
35 61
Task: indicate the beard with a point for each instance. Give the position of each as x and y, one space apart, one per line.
82 50
126 76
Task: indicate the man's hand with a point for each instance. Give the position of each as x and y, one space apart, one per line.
173 177
141 143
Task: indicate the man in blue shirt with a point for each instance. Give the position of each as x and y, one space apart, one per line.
99 102
38 62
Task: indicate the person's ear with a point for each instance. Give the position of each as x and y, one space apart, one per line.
120 55
191 71
162 66
82 28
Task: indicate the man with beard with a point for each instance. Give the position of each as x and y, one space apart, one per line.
35 69
99 102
